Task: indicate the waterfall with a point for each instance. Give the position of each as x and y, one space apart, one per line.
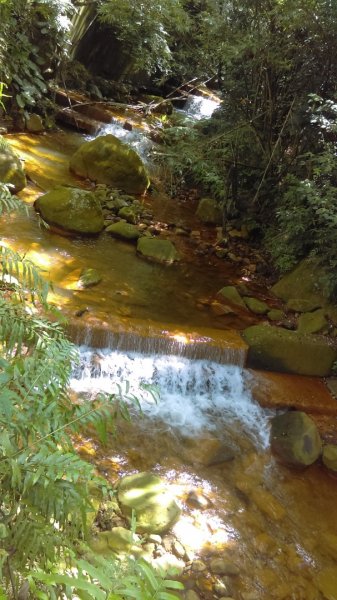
195 396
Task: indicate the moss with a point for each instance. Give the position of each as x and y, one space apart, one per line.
71 209
162 251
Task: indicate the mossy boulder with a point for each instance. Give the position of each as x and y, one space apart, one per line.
230 296
89 277
209 211
34 123
124 231
161 251
302 286
108 160
118 541
258 307
149 497
129 213
71 209
312 322
11 171
277 349
329 458
295 438
275 314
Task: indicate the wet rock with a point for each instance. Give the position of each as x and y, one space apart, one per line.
89 278
302 305
155 538
161 251
329 542
209 211
34 123
303 283
329 457
230 296
219 309
275 314
276 349
222 587
198 566
295 438
71 209
191 595
155 508
108 160
224 454
256 306
178 549
11 171
220 566
129 213
123 230
196 499
312 322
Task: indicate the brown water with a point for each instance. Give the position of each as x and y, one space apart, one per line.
278 525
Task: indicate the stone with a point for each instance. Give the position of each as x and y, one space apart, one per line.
108 160
196 499
11 170
34 123
71 209
191 595
326 581
256 306
312 322
123 230
118 540
304 283
231 296
220 566
129 214
277 349
89 278
209 211
295 438
275 314
155 508
329 458
302 305
198 566
161 251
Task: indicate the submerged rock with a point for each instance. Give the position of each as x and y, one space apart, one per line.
229 295
312 322
108 160
295 438
256 306
162 251
277 349
146 494
11 171
89 278
72 209
34 123
209 211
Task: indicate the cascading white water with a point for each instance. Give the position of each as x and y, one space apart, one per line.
196 396
135 138
199 107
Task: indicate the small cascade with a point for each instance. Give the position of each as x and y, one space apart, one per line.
136 138
195 396
200 107
221 346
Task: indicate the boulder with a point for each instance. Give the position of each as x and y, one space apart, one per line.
301 305
275 314
34 123
123 230
256 306
277 349
108 160
72 209
11 171
312 322
147 495
118 540
209 211
89 277
129 214
329 459
162 251
230 296
295 438
303 286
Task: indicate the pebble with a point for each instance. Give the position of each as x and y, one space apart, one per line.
198 566
222 587
154 537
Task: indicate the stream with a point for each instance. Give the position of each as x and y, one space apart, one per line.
146 331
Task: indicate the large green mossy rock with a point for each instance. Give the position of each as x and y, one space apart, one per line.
71 209
277 349
11 171
302 287
124 231
209 211
295 438
312 322
161 251
89 277
108 160
147 495
258 307
118 540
